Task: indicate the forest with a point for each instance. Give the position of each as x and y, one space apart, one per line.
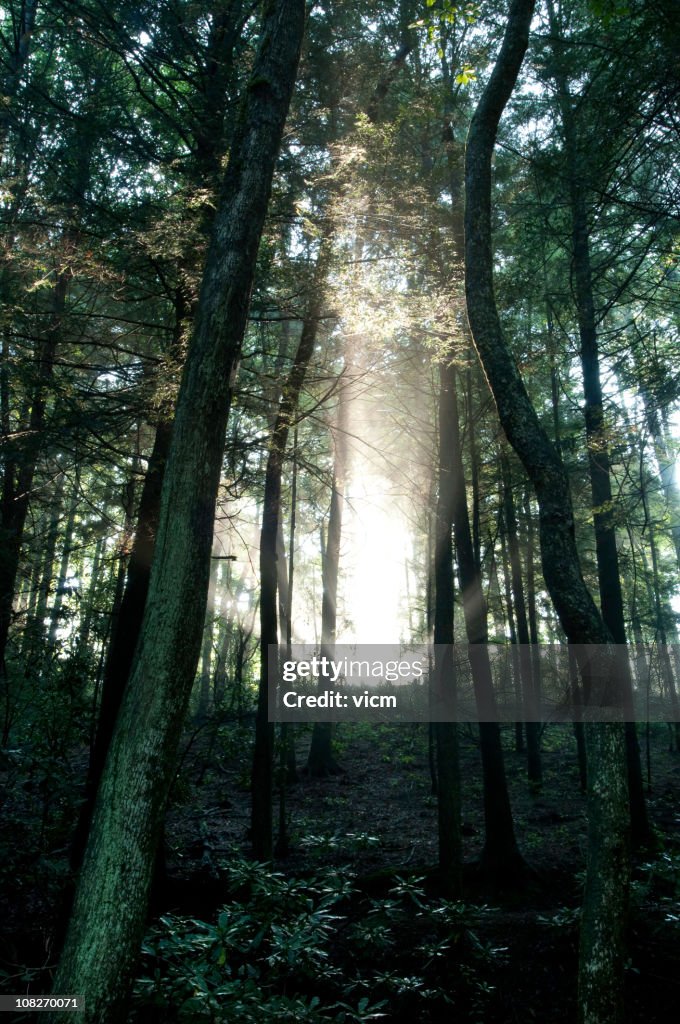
335 330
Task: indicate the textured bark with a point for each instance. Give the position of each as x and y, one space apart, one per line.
520 422
225 29
129 612
602 946
110 906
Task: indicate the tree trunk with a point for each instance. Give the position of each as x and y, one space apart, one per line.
110 906
262 771
660 634
602 953
17 493
514 655
15 63
91 599
446 733
62 575
500 862
599 465
33 639
287 765
207 648
128 613
526 665
321 761
602 945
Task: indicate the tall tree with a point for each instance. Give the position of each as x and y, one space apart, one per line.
262 777
446 733
110 905
599 462
602 929
321 761
500 861
206 132
526 667
15 51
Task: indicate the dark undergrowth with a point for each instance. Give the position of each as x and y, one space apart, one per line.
350 926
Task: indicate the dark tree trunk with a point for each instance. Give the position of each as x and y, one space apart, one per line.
14 63
204 687
602 948
127 622
500 861
666 462
91 599
21 461
517 677
110 906
579 731
321 760
33 639
599 466
62 574
287 764
129 609
288 729
17 491
526 665
660 633
561 566
602 942
262 771
446 733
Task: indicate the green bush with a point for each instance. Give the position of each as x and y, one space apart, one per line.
313 950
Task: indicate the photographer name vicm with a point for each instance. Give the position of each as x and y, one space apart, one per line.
333 699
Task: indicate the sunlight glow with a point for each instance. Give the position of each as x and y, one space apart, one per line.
375 552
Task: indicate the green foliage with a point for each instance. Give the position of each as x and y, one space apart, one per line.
323 846
314 950
609 9
271 943
565 917
656 890
38 789
444 13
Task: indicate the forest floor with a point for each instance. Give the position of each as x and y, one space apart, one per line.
512 954
377 819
